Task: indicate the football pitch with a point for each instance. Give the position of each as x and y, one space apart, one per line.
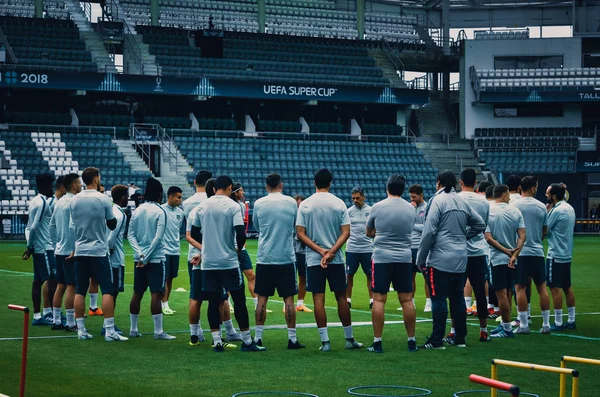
60 365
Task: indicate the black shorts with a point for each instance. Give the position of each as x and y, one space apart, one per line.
172 266
196 292
152 276
245 261
354 259
415 268
280 277
334 273
93 266
530 267
301 264
65 270
222 280
44 266
559 274
477 270
118 274
398 274
502 277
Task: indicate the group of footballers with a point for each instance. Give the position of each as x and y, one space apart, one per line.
486 239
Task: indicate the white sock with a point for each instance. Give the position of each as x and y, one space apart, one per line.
46 310
133 320
348 332
194 329
246 337
371 300
558 317
483 330
300 302
109 325
158 326
200 331
528 310
164 304
292 335
70 317
323 334
428 301
56 315
412 338
571 311
37 316
468 301
81 325
255 299
523 323
376 339
496 309
487 300
216 337
507 326
229 327
545 318
258 331
349 300
490 306
93 301
452 330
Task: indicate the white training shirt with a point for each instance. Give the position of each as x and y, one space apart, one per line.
190 208
115 238
60 226
37 231
274 219
504 222
535 217
172 240
359 242
146 233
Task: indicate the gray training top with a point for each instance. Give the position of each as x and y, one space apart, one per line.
535 217
419 224
477 245
274 219
504 222
323 215
358 241
444 240
393 220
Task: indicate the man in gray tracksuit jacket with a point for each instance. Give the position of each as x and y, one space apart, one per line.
443 254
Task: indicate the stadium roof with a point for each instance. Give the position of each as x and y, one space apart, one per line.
479 4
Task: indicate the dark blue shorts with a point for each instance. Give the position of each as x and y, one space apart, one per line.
118 274
172 266
152 276
44 266
334 273
530 268
398 274
245 261
354 259
196 291
280 277
222 280
502 277
415 268
65 270
559 274
93 266
301 264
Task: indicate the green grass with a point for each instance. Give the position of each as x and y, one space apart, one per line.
67 367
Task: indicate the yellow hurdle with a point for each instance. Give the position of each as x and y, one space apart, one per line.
536 367
571 359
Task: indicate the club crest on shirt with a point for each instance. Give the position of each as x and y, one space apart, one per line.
367 214
178 217
422 213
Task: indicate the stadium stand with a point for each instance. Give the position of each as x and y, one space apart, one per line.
54 152
98 150
250 56
250 160
45 118
530 160
490 79
279 125
316 18
501 35
25 8
381 129
47 43
534 132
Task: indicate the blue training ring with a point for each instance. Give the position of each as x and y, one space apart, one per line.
287 393
422 392
460 393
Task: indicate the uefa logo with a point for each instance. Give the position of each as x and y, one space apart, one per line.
10 77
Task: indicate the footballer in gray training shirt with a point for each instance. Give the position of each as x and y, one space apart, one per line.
359 248
391 224
274 219
324 227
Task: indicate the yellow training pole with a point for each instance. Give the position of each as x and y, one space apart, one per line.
494 377
580 360
575 390
544 368
563 379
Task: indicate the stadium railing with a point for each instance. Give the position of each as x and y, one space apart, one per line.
302 136
68 129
